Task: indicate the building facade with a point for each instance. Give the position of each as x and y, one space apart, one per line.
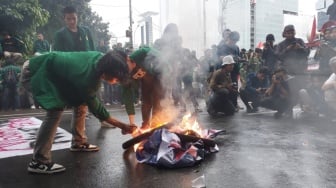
202 22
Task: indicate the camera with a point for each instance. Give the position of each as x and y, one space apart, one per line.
277 78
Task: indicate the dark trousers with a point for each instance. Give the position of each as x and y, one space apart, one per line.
276 103
222 100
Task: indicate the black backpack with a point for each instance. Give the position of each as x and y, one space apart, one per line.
10 78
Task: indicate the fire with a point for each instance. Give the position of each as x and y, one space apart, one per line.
187 126
190 125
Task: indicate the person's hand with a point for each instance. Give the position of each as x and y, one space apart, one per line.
129 129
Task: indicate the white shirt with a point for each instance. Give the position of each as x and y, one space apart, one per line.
330 94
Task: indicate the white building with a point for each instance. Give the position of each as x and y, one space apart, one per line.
201 22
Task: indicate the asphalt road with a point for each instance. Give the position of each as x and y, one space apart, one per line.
257 151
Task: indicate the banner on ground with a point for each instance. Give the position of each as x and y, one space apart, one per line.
17 137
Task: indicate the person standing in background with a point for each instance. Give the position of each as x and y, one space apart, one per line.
74 38
270 60
331 11
40 45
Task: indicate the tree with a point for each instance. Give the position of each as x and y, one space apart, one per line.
86 17
21 18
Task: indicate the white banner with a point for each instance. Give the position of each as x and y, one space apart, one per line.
17 137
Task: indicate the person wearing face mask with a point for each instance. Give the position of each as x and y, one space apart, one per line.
145 70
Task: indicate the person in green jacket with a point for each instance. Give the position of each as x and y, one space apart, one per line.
145 67
72 37
40 45
61 79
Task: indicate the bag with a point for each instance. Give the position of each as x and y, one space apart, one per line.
10 78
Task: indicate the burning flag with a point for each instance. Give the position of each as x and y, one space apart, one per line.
174 145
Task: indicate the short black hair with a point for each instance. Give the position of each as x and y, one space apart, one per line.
69 10
113 63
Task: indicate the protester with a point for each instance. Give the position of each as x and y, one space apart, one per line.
224 92
270 60
190 78
292 52
11 46
255 89
329 86
72 37
312 100
293 55
40 45
170 47
255 61
277 96
331 11
9 79
62 79
326 50
229 47
145 66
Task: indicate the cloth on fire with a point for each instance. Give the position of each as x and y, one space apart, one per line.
165 149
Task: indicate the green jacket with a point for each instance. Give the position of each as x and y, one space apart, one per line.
5 70
63 40
61 79
41 46
148 59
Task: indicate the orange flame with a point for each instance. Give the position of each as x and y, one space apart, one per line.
187 126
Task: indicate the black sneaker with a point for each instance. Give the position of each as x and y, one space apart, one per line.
40 168
86 147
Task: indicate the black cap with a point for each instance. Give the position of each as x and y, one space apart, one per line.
289 28
270 37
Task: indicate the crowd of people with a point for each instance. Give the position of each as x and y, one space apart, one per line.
274 77
70 75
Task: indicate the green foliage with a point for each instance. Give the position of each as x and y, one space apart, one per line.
86 17
21 18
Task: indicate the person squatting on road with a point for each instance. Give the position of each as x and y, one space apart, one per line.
224 92
277 96
61 79
255 88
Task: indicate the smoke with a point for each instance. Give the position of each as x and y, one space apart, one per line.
168 65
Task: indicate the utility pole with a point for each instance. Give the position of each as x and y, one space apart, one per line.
130 26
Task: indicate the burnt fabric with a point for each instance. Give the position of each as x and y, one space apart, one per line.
165 149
